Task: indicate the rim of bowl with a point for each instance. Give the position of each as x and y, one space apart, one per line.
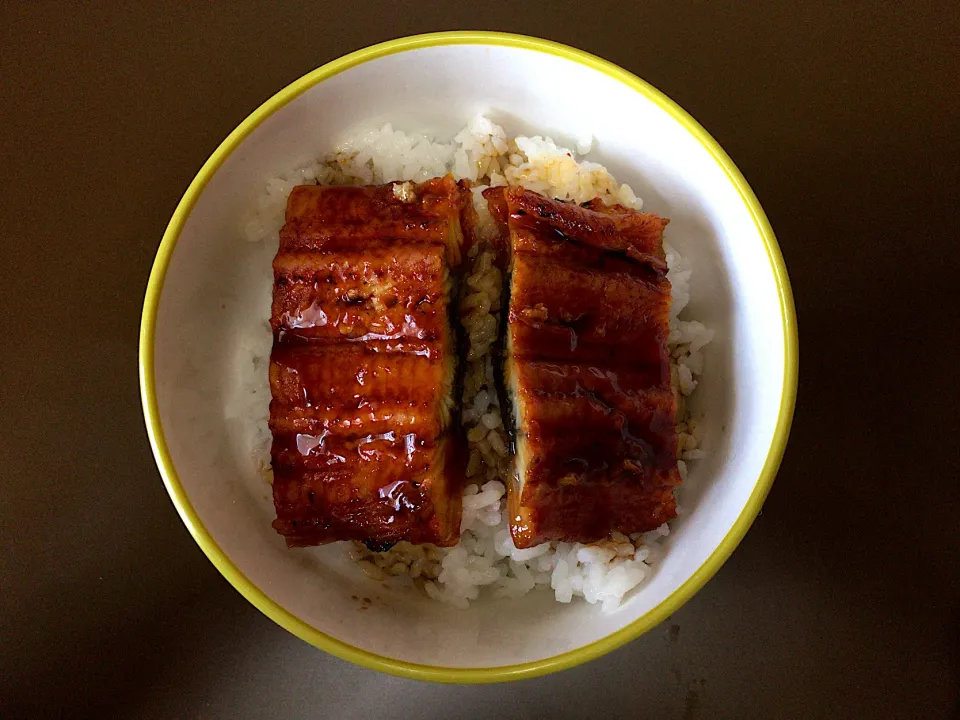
367 659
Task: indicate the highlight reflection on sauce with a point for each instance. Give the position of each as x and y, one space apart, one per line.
308 317
373 453
396 494
308 445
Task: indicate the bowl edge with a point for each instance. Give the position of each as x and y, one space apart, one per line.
367 659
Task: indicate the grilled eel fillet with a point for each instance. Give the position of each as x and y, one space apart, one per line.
587 367
362 372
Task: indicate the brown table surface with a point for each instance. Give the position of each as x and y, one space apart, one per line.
843 599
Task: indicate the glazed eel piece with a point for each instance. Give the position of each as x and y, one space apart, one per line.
366 444
586 368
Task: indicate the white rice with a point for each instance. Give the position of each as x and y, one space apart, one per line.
601 572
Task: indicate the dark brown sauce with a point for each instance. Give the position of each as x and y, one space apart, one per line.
361 337
588 320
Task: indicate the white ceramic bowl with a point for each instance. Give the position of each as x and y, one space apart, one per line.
207 286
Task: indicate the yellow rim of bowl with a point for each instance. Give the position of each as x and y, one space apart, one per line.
398 667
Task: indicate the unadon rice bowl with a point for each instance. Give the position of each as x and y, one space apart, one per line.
486 561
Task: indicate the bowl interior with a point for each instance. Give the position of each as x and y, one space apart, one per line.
217 289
